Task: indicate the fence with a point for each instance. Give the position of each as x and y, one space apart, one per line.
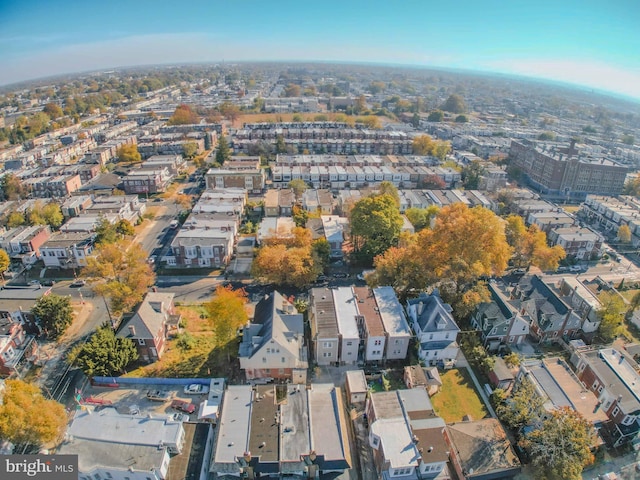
114 381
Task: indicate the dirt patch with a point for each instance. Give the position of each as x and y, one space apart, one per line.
81 312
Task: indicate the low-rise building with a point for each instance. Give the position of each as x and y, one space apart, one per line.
240 172
67 250
18 349
578 242
396 328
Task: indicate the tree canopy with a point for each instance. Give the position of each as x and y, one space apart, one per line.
454 104
611 315
5 261
223 152
530 245
471 175
122 274
54 313
298 186
425 145
22 403
561 447
421 218
624 233
522 407
104 354
129 154
435 116
227 313
11 188
376 224
183 115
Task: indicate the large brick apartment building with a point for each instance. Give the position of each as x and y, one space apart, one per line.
565 173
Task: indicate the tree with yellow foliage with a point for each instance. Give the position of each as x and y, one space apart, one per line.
227 314
530 245
27 417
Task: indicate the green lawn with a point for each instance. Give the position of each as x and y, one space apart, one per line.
458 397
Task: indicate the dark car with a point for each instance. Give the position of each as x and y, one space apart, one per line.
183 406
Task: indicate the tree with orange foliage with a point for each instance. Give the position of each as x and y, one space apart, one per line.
183 115
227 313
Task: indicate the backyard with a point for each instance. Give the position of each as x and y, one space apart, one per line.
193 353
457 397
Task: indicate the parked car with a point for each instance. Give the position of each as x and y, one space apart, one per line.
159 395
79 283
575 268
183 406
174 224
340 275
180 417
195 389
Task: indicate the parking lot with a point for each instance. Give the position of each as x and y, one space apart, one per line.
132 399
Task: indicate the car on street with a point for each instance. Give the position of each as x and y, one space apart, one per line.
79 283
195 389
340 275
576 268
34 282
174 224
183 406
159 395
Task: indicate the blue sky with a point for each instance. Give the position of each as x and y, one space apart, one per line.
586 42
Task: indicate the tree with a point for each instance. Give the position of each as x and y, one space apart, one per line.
370 121
628 139
360 105
471 175
632 187
54 314
183 115
15 220
421 217
547 136
129 154
375 226
230 111
292 90
22 403
227 314
624 233
321 249
433 182
298 186
561 447
441 150
435 116
122 274
522 407
5 261
454 104
104 354
281 146
105 232
300 216
530 245
124 227
462 119
52 215
423 145
189 149
53 110
388 188
223 152
11 187
611 315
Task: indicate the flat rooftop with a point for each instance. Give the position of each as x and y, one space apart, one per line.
234 424
391 312
346 308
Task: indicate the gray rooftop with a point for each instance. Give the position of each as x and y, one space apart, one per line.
392 313
234 425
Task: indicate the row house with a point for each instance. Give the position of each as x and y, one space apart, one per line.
148 149
60 186
203 241
500 323
583 301
435 329
18 349
612 212
578 242
273 345
150 324
74 206
230 201
334 228
126 207
146 181
406 437
237 175
24 243
341 333
547 221
67 250
279 203
314 200
174 163
613 377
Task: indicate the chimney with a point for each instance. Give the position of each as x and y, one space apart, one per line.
132 330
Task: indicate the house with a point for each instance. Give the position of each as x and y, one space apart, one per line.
147 181
500 375
309 436
578 242
346 307
325 335
67 250
584 301
334 228
356 386
245 173
415 376
112 445
318 201
150 324
481 450
406 436
500 323
435 329
370 326
275 227
549 317
396 328
23 243
205 240
559 386
273 344
279 203
18 349
613 377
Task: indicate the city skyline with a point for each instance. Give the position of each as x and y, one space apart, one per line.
582 43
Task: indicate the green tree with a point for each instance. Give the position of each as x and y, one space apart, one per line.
52 215
421 218
300 216
54 314
298 186
375 226
611 315
189 149
104 354
321 249
105 232
388 188
227 313
11 187
281 146
22 403
129 154
454 104
547 136
628 139
589 129
632 187
471 175
435 116
561 447
462 119
522 407
223 152
53 110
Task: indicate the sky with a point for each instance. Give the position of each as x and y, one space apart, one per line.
592 43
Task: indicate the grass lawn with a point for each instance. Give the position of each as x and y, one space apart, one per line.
194 354
458 397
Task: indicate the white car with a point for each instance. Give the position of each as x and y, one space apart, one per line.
196 389
180 417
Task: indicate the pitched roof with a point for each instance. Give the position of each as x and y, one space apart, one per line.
431 313
149 317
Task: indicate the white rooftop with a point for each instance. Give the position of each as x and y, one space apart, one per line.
346 309
391 312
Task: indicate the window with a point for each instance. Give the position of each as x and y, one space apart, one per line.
377 343
283 360
628 420
141 341
97 476
431 336
349 344
615 411
326 344
264 359
268 350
